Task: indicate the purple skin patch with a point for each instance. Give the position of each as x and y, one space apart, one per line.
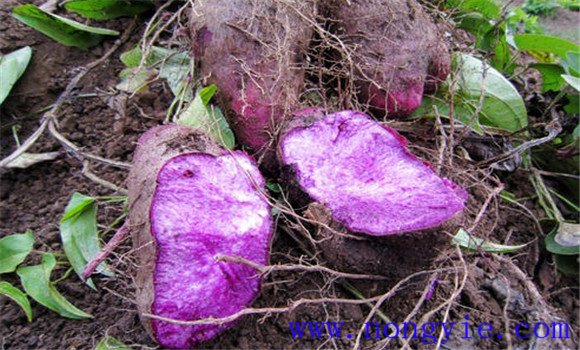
402 102
203 207
253 114
364 174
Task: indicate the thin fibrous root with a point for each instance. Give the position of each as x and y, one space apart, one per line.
264 270
89 175
111 245
293 305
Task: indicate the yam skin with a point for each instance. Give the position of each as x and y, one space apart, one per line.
396 51
190 201
362 181
393 256
253 51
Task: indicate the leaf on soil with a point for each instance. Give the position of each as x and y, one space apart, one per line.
465 240
107 9
135 80
12 66
79 234
18 296
155 56
175 67
503 107
201 115
564 239
545 43
110 343
131 58
63 30
176 70
14 249
27 159
37 284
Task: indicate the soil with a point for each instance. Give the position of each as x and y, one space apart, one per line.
106 122
562 23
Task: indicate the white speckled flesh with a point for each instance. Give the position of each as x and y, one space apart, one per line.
364 174
205 206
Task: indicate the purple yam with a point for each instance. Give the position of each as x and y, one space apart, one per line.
363 173
189 202
254 52
396 51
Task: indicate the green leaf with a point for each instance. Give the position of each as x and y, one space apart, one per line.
572 63
573 106
572 81
14 249
273 186
573 5
503 107
79 234
488 8
76 206
63 30
207 93
176 70
18 296
568 264
107 9
502 58
545 43
12 66
208 118
519 21
37 284
551 75
131 58
564 239
469 242
110 343
175 67
135 79
476 24
156 56
463 111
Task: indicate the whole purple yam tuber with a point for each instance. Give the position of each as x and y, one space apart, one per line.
190 202
396 51
363 173
253 51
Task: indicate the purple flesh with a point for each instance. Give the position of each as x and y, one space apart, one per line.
205 206
364 174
